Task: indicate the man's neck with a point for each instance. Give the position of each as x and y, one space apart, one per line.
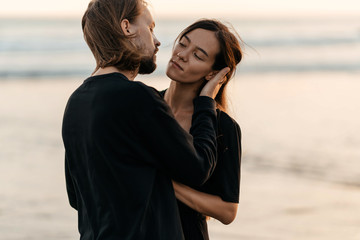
129 74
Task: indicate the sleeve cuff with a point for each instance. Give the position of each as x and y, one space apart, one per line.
204 103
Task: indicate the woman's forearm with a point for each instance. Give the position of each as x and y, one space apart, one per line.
207 204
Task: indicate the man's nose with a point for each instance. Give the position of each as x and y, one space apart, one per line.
156 41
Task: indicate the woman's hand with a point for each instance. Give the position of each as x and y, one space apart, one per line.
213 85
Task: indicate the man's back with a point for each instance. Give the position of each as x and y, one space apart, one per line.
119 161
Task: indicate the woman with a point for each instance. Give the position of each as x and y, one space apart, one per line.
201 50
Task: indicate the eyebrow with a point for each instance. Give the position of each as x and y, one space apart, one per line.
202 50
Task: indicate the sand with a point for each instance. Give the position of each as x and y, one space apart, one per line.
301 168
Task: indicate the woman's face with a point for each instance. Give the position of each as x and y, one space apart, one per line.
193 56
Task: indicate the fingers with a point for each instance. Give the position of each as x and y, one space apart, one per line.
221 76
213 85
223 80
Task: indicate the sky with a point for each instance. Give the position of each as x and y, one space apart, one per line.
205 8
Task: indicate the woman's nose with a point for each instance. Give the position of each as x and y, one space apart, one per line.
181 55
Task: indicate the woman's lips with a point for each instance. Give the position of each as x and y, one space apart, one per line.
176 65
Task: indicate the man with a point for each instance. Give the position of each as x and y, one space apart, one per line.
122 144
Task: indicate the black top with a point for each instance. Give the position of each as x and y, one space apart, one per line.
122 148
225 180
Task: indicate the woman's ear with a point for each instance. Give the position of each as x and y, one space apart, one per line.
126 27
211 75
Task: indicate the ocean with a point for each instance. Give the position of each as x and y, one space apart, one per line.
46 48
295 96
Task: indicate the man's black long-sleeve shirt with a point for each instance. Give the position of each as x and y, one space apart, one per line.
122 148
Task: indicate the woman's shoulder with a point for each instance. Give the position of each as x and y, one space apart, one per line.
226 121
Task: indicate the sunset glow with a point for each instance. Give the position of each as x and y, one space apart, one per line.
189 7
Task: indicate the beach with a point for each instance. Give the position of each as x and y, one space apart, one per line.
300 166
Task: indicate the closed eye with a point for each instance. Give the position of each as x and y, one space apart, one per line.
197 56
152 26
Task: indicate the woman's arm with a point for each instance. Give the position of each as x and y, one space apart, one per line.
207 204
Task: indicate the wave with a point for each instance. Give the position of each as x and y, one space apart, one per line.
14 74
79 45
302 42
248 69
27 47
285 68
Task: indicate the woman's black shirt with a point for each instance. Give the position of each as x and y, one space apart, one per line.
225 180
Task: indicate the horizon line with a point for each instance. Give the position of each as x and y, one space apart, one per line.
253 15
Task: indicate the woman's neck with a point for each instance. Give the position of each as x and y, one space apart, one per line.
180 96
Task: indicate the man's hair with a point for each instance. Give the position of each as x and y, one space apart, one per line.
101 26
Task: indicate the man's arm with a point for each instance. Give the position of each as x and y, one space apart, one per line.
189 159
186 158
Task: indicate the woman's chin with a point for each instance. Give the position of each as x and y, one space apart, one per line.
168 73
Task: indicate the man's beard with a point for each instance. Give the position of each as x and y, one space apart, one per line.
147 65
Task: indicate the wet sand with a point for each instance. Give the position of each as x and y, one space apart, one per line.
301 152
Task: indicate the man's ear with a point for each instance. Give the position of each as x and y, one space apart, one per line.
211 75
126 27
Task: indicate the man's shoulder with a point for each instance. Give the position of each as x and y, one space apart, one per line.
147 89
138 95
118 86
146 92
